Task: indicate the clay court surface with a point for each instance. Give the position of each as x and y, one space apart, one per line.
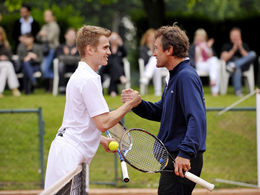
146 192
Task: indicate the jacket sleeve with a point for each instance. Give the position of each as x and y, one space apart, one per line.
38 52
21 51
149 110
123 50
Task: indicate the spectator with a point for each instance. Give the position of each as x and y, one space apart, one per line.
68 56
146 48
0 18
238 58
26 24
30 57
49 36
7 72
203 59
181 111
145 52
115 66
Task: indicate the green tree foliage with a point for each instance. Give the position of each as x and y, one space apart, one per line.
93 12
91 9
66 17
13 4
214 9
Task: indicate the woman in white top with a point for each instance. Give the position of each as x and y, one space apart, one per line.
205 60
151 71
7 72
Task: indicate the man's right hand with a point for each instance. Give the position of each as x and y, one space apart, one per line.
131 96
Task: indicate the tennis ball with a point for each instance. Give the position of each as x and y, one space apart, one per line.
113 145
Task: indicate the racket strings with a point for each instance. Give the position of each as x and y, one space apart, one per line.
117 132
144 151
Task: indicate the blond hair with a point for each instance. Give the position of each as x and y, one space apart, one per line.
89 35
146 35
5 41
200 32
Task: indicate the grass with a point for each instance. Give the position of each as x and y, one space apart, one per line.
231 143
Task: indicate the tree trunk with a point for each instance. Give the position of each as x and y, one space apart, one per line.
155 10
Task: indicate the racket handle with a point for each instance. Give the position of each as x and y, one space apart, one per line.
124 172
199 181
123 163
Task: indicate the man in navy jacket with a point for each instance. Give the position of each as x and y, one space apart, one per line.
181 111
26 24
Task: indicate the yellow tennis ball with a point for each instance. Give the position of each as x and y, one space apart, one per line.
113 145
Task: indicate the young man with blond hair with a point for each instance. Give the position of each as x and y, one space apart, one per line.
86 113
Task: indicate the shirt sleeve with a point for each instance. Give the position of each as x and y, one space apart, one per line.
93 98
193 107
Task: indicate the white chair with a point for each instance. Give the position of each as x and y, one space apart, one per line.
143 86
68 75
56 76
248 78
203 73
206 74
127 75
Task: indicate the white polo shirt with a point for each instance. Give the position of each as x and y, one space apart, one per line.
84 100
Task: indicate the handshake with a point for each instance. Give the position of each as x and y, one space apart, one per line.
131 97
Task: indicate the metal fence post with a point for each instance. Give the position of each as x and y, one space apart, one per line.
41 150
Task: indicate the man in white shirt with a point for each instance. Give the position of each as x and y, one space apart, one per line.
86 113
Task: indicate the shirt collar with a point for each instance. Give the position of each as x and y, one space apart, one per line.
84 65
178 67
30 20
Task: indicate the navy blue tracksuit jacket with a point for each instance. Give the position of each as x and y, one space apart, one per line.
181 111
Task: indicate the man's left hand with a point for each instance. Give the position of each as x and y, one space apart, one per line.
181 165
104 141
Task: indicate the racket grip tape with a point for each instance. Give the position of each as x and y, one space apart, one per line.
199 181
124 172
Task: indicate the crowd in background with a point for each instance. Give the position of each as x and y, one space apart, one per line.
37 47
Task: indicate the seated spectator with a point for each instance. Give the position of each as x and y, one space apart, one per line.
238 58
0 18
146 53
7 72
115 66
30 57
202 57
68 56
49 36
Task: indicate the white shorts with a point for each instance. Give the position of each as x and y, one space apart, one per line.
63 158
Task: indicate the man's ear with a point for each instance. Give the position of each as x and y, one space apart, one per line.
89 50
170 51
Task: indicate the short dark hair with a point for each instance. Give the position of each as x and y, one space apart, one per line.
28 7
70 29
235 28
28 35
175 37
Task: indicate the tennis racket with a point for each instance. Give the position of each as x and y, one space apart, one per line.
148 154
116 133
